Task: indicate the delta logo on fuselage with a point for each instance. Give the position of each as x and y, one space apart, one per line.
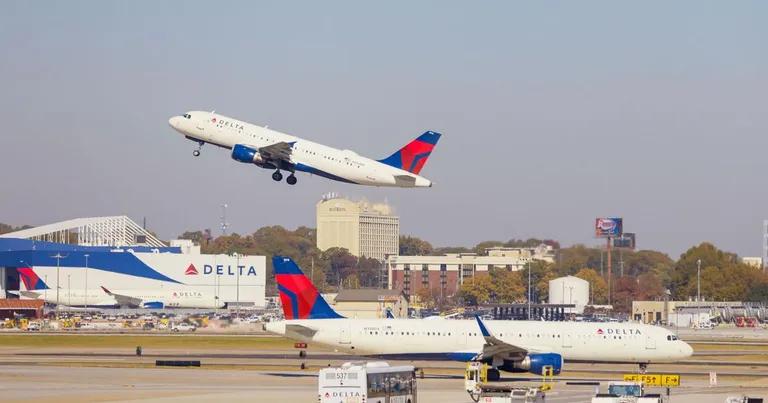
618 331
222 270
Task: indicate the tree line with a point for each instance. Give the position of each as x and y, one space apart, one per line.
637 275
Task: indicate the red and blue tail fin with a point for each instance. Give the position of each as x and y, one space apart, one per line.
414 155
30 279
300 298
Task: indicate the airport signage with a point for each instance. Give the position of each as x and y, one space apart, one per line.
608 227
666 380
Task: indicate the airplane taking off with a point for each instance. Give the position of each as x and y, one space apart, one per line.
512 346
270 149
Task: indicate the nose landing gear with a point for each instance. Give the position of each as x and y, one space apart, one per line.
196 153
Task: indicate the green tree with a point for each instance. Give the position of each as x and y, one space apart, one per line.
412 246
476 291
506 286
597 285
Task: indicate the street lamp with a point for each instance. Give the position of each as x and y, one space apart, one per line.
698 280
237 258
58 257
529 290
86 282
69 290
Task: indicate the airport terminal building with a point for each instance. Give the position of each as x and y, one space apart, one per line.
114 262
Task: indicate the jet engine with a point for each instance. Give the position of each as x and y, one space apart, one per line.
153 305
248 155
535 364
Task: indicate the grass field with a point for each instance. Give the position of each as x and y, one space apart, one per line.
194 342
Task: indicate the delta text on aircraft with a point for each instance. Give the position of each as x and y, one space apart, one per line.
277 151
512 346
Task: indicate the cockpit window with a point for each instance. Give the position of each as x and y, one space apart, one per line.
186 115
671 337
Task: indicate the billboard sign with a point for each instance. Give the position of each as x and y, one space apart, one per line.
626 241
608 227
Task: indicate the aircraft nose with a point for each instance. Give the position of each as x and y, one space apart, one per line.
174 122
687 350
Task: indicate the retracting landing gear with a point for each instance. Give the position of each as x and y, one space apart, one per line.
291 179
196 153
277 176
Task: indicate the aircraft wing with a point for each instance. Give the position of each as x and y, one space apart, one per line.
124 300
277 152
494 347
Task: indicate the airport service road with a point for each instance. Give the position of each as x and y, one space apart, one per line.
25 383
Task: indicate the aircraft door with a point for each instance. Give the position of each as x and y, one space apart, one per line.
650 343
345 336
567 342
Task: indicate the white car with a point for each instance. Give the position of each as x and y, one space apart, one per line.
34 327
183 327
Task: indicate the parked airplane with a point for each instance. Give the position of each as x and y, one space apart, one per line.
36 288
513 346
270 149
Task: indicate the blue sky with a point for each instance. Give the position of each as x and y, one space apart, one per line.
553 113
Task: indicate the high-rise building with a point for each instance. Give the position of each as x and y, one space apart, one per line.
364 229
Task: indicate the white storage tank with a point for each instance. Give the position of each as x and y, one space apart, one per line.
569 290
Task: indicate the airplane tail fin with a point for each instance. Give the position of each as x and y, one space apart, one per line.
30 279
299 297
414 155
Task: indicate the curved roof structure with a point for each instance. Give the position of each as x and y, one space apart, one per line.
113 231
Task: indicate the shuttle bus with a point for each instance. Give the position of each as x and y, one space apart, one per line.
370 382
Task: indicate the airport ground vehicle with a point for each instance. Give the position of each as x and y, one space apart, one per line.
626 392
476 384
183 327
34 326
370 382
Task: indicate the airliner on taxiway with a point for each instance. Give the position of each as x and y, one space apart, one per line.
513 346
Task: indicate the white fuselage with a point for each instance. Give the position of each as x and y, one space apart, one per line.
307 156
97 297
461 339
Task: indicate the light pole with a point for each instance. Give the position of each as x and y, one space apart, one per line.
58 257
86 282
237 257
698 280
529 290
69 290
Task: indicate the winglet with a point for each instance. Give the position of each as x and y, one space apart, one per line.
106 290
483 329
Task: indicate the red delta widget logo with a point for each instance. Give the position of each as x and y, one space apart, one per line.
222 270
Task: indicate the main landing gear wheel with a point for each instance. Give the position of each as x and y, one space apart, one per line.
291 180
277 176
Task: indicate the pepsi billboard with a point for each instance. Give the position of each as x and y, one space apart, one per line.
609 227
